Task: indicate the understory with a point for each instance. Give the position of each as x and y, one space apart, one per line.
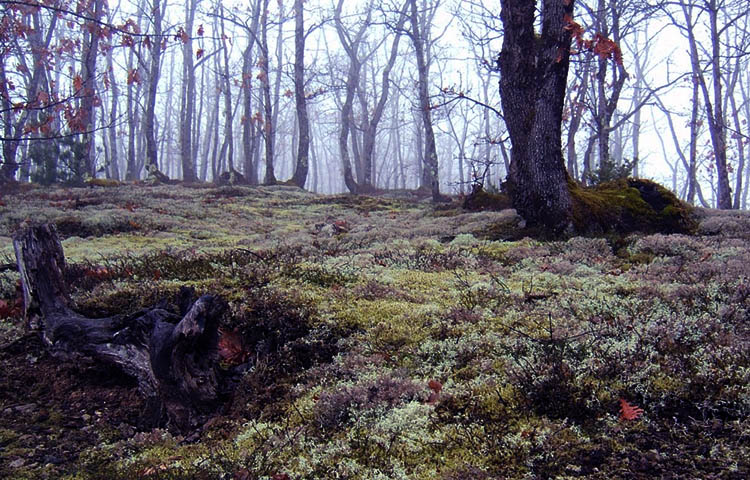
387 338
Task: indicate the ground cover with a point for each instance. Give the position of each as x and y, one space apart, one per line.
382 337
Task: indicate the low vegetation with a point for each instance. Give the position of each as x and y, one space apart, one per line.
387 338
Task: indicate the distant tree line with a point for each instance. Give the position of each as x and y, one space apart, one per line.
393 94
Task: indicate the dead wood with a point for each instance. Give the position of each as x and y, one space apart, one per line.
174 359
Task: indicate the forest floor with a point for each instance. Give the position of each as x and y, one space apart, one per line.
387 338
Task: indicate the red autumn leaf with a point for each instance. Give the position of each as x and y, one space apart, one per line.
182 35
607 48
5 309
199 53
77 83
230 347
628 411
99 273
436 388
200 30
133 76
575 29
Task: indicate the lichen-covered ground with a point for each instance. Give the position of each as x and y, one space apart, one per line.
386 339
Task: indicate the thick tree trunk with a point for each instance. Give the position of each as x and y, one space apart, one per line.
534 71
174 360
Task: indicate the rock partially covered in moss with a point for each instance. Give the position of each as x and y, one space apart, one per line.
479 200
630 205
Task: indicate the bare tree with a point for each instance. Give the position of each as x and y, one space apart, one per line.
419 37
149 120
187 100
303 122
717 16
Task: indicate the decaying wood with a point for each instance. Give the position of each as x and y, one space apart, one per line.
174 359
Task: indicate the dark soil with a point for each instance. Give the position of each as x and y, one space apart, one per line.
52 410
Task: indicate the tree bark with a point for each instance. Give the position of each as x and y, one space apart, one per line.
351 46
430 153
188 98
268 126
303 148
249 131
371 125
534 71
149 126
174 360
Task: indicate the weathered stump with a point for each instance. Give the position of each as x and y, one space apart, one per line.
174 360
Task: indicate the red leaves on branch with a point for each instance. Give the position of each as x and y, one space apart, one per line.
133 76
575 29
200 30
199 53
182 35
76 118
131 26
77 83
628 411
602 46
606 48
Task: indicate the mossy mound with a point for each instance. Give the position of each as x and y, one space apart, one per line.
629 205
480 200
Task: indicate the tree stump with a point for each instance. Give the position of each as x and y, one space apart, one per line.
174 360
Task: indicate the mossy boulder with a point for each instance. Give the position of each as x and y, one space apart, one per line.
629 205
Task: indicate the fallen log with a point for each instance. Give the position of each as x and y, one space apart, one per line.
173 358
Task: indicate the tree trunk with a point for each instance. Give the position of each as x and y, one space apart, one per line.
88 74
534 71
153 83
268 125
371 130
430 153
227 146
303 149
249 132
113 165
714 106
174 360
188 98
351 46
